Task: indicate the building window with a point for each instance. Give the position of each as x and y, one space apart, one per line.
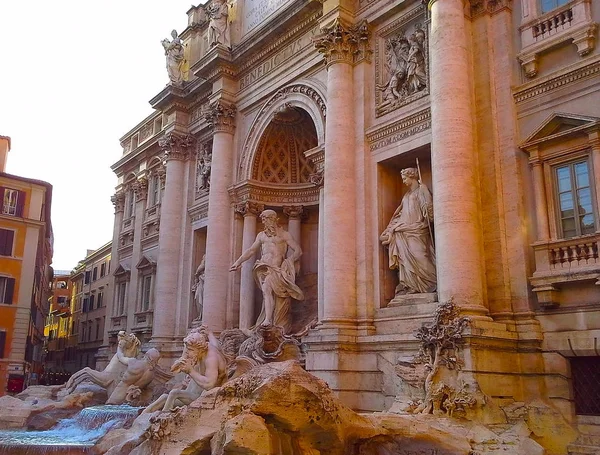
548 5
585 372
121 297
99 304
146 292
574 198
83 331
7 287
97 329
13 202
86 304
88 275
92 298
6 242
95 274
102 269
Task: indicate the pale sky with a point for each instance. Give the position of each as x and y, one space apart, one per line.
75 76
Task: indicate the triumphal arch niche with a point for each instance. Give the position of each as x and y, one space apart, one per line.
281 170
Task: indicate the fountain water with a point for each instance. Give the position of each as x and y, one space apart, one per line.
70 436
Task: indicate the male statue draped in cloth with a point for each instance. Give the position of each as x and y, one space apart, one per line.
409 239
273 272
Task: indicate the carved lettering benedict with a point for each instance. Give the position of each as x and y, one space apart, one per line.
255 11
277 59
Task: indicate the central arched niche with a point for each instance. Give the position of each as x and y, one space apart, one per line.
279 162
280 155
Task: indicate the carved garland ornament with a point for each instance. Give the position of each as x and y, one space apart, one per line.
344 43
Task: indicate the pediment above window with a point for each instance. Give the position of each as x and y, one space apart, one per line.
146 264
559 127
122 272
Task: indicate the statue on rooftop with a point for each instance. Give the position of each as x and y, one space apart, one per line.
218 27
274 273
409 240
174 55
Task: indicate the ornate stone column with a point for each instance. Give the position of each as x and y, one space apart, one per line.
342 46
140 191
250 212
294 214
221 117
178 148
459 248
594 138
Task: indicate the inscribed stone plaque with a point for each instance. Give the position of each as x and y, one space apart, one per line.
257 11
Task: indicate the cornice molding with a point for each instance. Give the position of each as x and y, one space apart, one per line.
400 129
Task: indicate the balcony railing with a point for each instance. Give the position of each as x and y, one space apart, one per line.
564 261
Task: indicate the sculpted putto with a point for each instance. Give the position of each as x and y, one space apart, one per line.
273 272
203 361
128 346
218 27
409 239
174 55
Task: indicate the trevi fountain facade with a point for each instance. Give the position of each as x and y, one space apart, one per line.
357 227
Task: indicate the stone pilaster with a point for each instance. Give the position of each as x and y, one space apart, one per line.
177 149
459 248
541 204
221 118
250 212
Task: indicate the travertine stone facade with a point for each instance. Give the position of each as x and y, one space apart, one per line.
312 109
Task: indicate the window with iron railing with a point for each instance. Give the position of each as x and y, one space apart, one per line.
549 5
585 372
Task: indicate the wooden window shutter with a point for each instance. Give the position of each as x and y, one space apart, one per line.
2 343
20 203
10 290
7 247
2 188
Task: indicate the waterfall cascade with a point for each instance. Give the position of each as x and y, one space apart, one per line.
69 436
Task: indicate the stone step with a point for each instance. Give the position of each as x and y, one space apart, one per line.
580 449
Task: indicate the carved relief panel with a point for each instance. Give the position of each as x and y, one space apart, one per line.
203 167
401 62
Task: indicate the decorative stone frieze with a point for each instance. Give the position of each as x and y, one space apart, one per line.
118 200
249 208
140 188
399 130
344 43
220 116
176 146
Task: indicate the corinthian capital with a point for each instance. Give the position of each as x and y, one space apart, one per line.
249 208
221 116
140 188
177 146
342 43
118 200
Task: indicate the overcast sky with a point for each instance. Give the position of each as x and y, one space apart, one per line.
74 77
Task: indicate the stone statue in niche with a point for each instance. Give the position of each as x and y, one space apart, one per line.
174 55
218 26
138 375
203 170
409 239
198 288
204 362
273 272
405 68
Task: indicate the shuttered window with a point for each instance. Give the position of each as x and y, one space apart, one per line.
7 237
7 289
13 201
2 343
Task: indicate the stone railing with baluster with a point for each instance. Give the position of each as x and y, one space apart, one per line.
560 262
571 22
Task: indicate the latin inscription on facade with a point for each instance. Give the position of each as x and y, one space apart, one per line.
278 58
256 11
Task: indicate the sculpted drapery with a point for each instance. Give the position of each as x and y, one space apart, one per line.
409 240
